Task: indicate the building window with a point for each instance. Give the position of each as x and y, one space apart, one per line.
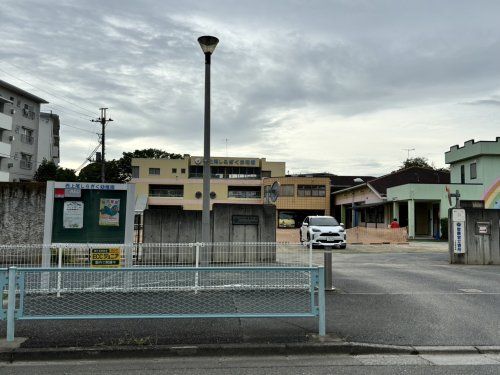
266 173
462 174
19 103
170 191
311 190
27 135
287 220
287 190
183 170
373 214
473 171
253 192
154 171
26 161
135 171
174 170
28 112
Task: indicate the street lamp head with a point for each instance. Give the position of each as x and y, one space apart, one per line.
208 43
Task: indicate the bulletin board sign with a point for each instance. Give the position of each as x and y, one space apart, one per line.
89 213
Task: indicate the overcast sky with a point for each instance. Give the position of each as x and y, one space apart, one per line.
336 86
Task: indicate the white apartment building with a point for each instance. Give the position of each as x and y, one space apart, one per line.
26 135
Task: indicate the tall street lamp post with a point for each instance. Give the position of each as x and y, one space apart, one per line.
208 44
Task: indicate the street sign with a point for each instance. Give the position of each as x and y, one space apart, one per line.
105 258
483 227
458 220
245 220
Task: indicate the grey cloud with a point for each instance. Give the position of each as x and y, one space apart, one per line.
484 102
142 60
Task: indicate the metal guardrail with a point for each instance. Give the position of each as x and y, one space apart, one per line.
164 292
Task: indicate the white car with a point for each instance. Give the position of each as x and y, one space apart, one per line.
323 230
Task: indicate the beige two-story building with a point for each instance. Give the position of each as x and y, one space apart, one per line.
179 182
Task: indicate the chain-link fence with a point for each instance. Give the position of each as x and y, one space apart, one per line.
161 254
164 292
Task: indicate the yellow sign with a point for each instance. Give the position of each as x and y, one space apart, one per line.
105 258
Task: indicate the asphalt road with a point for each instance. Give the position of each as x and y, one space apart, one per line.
413 298
318 364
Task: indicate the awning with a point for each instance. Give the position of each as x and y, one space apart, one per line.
367 205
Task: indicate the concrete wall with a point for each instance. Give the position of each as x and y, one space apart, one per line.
175 225
22 207
479 248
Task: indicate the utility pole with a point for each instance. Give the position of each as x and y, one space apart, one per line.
103 120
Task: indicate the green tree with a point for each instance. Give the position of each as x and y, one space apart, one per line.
416 162
92 172
46 171
49 171
125 162
66 174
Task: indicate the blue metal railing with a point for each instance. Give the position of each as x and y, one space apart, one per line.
163 292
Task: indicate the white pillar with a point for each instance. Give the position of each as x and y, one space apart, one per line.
411 218
395 211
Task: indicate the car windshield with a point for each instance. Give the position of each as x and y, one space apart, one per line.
324 222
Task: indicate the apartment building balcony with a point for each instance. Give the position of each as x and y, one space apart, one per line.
4 176
5 122
5 150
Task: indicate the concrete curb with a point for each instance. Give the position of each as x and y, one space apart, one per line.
351 348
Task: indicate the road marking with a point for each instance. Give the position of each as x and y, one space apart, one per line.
413 293
459 359
471 290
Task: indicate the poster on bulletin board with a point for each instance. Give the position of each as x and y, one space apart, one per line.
73 215
109 212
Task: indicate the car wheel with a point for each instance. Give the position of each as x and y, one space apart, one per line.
342 246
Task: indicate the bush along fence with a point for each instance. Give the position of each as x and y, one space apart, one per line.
216 280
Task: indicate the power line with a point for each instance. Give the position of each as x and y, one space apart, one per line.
88 158
65 109
76 127
57 96
23 69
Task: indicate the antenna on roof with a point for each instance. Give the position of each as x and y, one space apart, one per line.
408 149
